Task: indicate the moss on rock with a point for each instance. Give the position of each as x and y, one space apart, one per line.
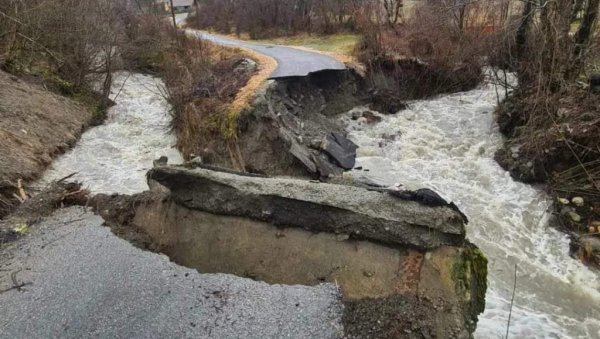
470 275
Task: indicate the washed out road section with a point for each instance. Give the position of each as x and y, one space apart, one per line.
87 282
291 62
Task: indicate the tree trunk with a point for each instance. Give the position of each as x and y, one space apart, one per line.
582 38
107 85
577 6
173 15
521 36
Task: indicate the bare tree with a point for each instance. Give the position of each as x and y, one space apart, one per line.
583 36
173 14
393 10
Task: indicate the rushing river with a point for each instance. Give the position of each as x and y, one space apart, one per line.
114 157
447 144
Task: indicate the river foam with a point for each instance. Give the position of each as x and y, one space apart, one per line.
447 144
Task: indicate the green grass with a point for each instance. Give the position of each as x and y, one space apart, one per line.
575 26
342 43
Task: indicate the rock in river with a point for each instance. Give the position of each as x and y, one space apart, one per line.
341 150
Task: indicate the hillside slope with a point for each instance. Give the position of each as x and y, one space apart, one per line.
35 125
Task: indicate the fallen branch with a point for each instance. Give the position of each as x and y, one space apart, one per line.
511 302
11 18
16 284
68 194
16 287
67 177
20 189
18 198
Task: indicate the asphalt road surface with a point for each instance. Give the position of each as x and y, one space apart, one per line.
81 281
291 62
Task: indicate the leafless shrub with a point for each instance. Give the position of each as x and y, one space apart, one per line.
202 80
69 43
266 18
433 50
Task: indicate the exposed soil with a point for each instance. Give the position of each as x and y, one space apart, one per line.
284 130
396 317
56 195
393 81
390 291
35 125
306 109
557 144
394 311
118 211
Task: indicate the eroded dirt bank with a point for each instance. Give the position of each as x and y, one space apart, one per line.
404 264
292 126
35 125
560 150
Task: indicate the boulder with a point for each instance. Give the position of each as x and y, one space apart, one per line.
162 161
578 201
369 117
574 216
318 207
587 249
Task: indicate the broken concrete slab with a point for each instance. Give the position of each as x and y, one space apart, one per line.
281 132
341 150
84 281
319 207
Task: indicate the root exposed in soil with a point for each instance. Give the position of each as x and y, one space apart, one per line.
57 195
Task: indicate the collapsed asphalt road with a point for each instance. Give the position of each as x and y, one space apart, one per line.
80 280
291 62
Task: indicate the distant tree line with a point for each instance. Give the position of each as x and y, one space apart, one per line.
261 18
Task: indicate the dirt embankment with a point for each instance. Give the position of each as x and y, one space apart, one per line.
556 142
35 125
292 126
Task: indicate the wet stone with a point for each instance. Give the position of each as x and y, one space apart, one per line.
341 150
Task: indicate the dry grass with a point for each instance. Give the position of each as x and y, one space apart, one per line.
340 44
559 131
267 66
208 87
56 195
34 126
